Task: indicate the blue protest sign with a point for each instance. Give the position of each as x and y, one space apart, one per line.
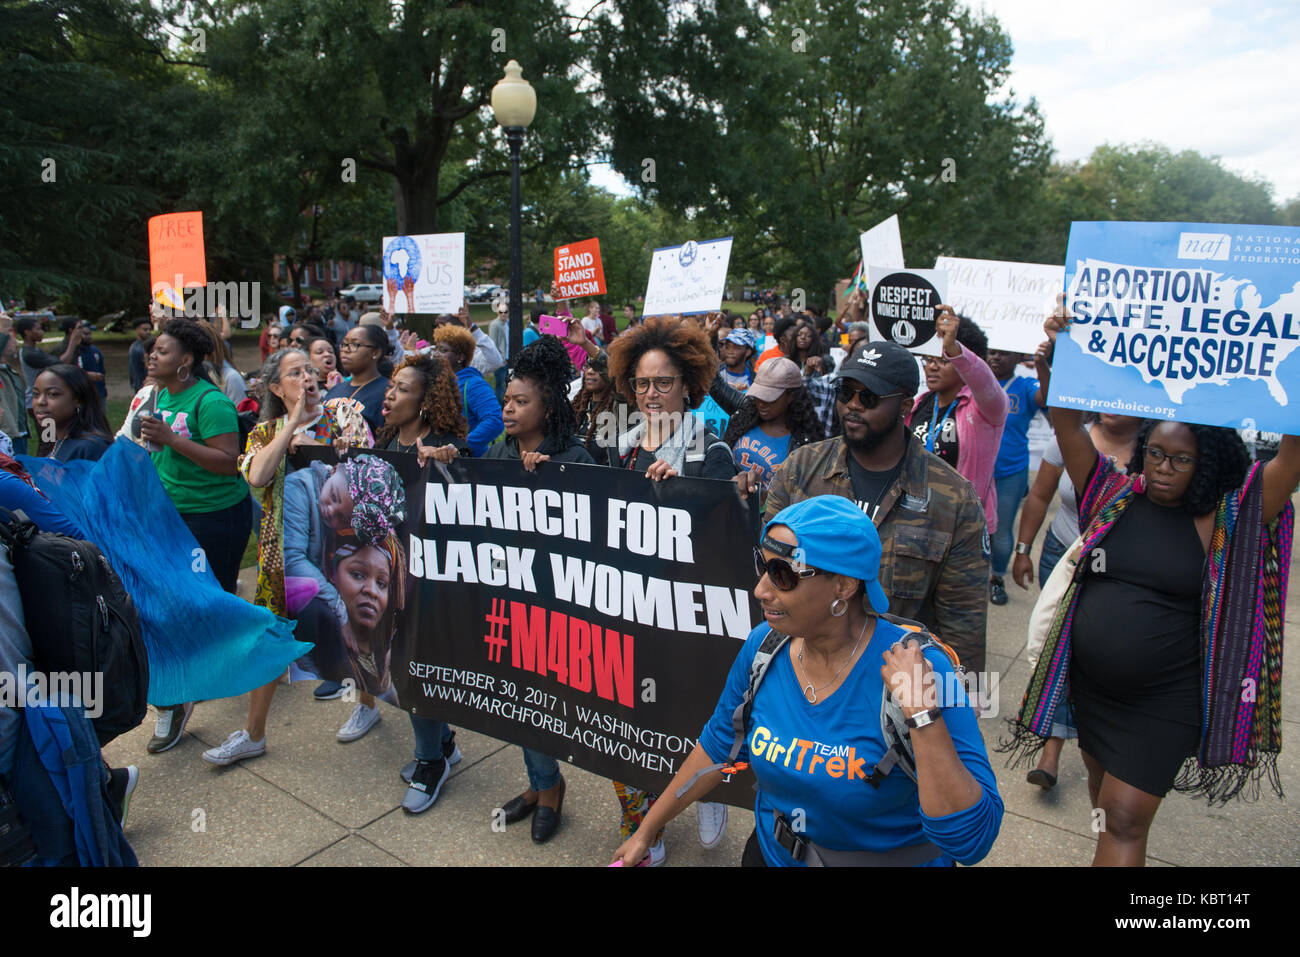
1194 322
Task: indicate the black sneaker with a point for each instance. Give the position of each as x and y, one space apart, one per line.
450 754
997 592
328 691
425 785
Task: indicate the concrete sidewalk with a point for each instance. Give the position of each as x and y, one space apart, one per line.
313 801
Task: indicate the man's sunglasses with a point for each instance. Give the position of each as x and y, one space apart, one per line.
783 574
849 390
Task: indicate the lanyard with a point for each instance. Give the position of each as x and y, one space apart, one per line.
934 419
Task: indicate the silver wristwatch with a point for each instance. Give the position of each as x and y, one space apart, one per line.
1022 548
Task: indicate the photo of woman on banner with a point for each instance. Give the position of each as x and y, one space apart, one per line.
336 522
805 707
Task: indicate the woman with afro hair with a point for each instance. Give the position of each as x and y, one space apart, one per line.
540 427
1175 608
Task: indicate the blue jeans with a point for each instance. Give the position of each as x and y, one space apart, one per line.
1010 489
430 733
1053 549
543 770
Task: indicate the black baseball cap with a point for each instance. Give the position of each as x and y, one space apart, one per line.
883 367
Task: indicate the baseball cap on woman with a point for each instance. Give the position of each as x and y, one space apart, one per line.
834 535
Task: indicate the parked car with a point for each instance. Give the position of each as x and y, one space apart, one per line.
363 292
485 293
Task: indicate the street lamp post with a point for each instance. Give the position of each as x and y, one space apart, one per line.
514 102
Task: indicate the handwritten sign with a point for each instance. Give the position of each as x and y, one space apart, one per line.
688 278
176 257
882 245
424 273
904 307
1194 322
578 271
1008 300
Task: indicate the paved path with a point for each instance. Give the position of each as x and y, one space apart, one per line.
313 801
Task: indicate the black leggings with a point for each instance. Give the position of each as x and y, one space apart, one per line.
753 855
223 536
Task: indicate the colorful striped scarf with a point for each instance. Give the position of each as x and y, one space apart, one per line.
1243 605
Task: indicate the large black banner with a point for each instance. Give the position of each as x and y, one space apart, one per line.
587 612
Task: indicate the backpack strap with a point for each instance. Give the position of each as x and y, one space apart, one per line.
772 643
814 855
16 529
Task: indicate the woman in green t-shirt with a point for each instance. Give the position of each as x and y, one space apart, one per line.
197 430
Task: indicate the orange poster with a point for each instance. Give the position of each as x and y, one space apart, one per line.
176 257
578 271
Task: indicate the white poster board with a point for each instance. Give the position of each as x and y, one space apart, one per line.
424 273
1008 300
688 278
881 245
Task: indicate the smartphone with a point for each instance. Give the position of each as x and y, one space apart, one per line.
553 325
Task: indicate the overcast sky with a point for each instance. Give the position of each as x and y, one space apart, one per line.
1220 77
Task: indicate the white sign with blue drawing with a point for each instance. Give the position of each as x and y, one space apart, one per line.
687 279
1194 322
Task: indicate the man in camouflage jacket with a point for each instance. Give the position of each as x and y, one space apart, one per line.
934 563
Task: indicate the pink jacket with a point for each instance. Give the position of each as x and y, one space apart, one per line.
981 414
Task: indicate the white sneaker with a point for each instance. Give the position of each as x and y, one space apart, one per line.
237 747
657 853
361 720
712 820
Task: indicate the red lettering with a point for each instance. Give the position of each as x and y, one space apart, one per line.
613 665
579 655
528 637
556 656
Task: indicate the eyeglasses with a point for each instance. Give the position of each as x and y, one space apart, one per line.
662 384
347 345
1181 463
937 360
848 391
782 573
302 372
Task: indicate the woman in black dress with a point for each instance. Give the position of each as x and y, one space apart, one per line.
1135 672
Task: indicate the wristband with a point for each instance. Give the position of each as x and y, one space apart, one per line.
1022 548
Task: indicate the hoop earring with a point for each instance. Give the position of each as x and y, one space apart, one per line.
186 378
843 608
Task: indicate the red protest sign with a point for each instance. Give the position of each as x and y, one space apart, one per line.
176 258
578 271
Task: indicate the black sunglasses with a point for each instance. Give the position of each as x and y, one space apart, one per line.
784 575
848 390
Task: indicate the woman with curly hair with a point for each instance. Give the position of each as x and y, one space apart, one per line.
540 427
777 417
808 342
596 404
666 368
70 413
1176 608
455 345
422 411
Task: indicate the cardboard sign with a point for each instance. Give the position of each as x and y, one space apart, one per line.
1194 322
904 307
578 271
882 246
687 279
1008 300
424 273
176 257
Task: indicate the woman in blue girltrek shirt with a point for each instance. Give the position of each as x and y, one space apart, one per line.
814 737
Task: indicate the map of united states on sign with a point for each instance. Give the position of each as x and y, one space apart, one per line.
1194 322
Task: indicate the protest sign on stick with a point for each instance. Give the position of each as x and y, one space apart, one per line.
1193 322
881 245
424 273
1007 300
687 279
582 611
176 257
904 307
578 271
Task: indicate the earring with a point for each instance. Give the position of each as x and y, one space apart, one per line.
186 377
843 608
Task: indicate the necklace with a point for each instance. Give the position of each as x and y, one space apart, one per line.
808 688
